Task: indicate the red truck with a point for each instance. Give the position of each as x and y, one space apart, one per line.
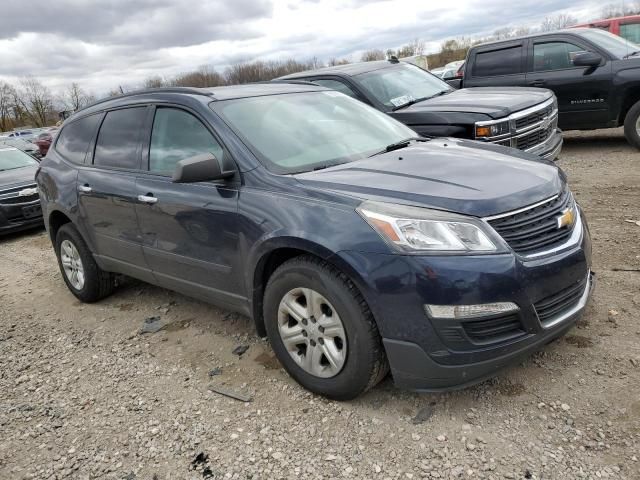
627 27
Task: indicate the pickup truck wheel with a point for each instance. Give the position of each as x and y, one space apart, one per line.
86 280
632 125
322 330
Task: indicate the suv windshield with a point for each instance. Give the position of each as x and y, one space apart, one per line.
12 159
618 46
300 132
401 85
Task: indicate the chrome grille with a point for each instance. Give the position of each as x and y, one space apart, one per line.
12 195
528 128
537 227
530 140
534 118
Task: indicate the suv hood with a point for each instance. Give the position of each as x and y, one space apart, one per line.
452 174
494 102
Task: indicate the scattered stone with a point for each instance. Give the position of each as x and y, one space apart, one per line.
424 414
151 325
565 407
243 397
215 371
240 350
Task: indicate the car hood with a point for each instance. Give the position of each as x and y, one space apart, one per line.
18 176
456 175
494 102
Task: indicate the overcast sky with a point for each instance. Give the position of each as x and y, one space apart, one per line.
104 43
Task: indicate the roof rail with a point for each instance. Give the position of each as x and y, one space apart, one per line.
188 90
293 81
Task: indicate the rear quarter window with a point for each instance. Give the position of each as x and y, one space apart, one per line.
503 61
74 139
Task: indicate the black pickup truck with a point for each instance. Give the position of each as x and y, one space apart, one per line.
594 74
524 118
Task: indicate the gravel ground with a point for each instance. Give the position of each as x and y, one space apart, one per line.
84 395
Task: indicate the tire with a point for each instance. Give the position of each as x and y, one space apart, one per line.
96 284
632 125
358 359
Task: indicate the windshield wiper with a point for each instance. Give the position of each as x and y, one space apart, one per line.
632 54
401 144
416 100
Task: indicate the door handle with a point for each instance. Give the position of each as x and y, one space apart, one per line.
85 189
148 199
538 83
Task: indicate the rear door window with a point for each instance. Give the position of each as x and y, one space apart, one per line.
554 55
505 61
178 135
119 138
74 139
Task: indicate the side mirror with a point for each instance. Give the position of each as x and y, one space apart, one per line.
200 168
587 59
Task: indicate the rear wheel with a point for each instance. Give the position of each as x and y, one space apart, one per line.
321 329
632 125
86 280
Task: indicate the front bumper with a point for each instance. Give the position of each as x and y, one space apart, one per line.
20 216
430 354
550 148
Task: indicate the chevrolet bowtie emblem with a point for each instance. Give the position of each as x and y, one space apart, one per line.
27 192
567 218
545 123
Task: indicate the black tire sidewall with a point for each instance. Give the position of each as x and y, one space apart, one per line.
630 131
356 372
90 292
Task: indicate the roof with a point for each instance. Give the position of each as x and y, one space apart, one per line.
348 70
206 94
608 20
571 31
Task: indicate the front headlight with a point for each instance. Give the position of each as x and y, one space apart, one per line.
414 229
492 130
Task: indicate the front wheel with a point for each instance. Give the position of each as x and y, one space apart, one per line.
322 330
632 125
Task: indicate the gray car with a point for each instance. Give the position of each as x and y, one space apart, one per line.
21 144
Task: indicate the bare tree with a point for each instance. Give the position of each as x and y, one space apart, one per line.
205 76
7 96
34 102
557 22
74 97
154 82
620 9
337 61
372 55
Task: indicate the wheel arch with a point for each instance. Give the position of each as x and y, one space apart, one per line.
56 220
281 250
629 100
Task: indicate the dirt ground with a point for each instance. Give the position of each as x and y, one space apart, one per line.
84 395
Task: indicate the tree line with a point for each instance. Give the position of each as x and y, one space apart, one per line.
30 103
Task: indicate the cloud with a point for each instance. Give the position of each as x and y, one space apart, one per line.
146 23
103 44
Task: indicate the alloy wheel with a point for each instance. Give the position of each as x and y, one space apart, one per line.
312 332
72 264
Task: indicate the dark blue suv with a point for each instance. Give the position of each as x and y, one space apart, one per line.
354 244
